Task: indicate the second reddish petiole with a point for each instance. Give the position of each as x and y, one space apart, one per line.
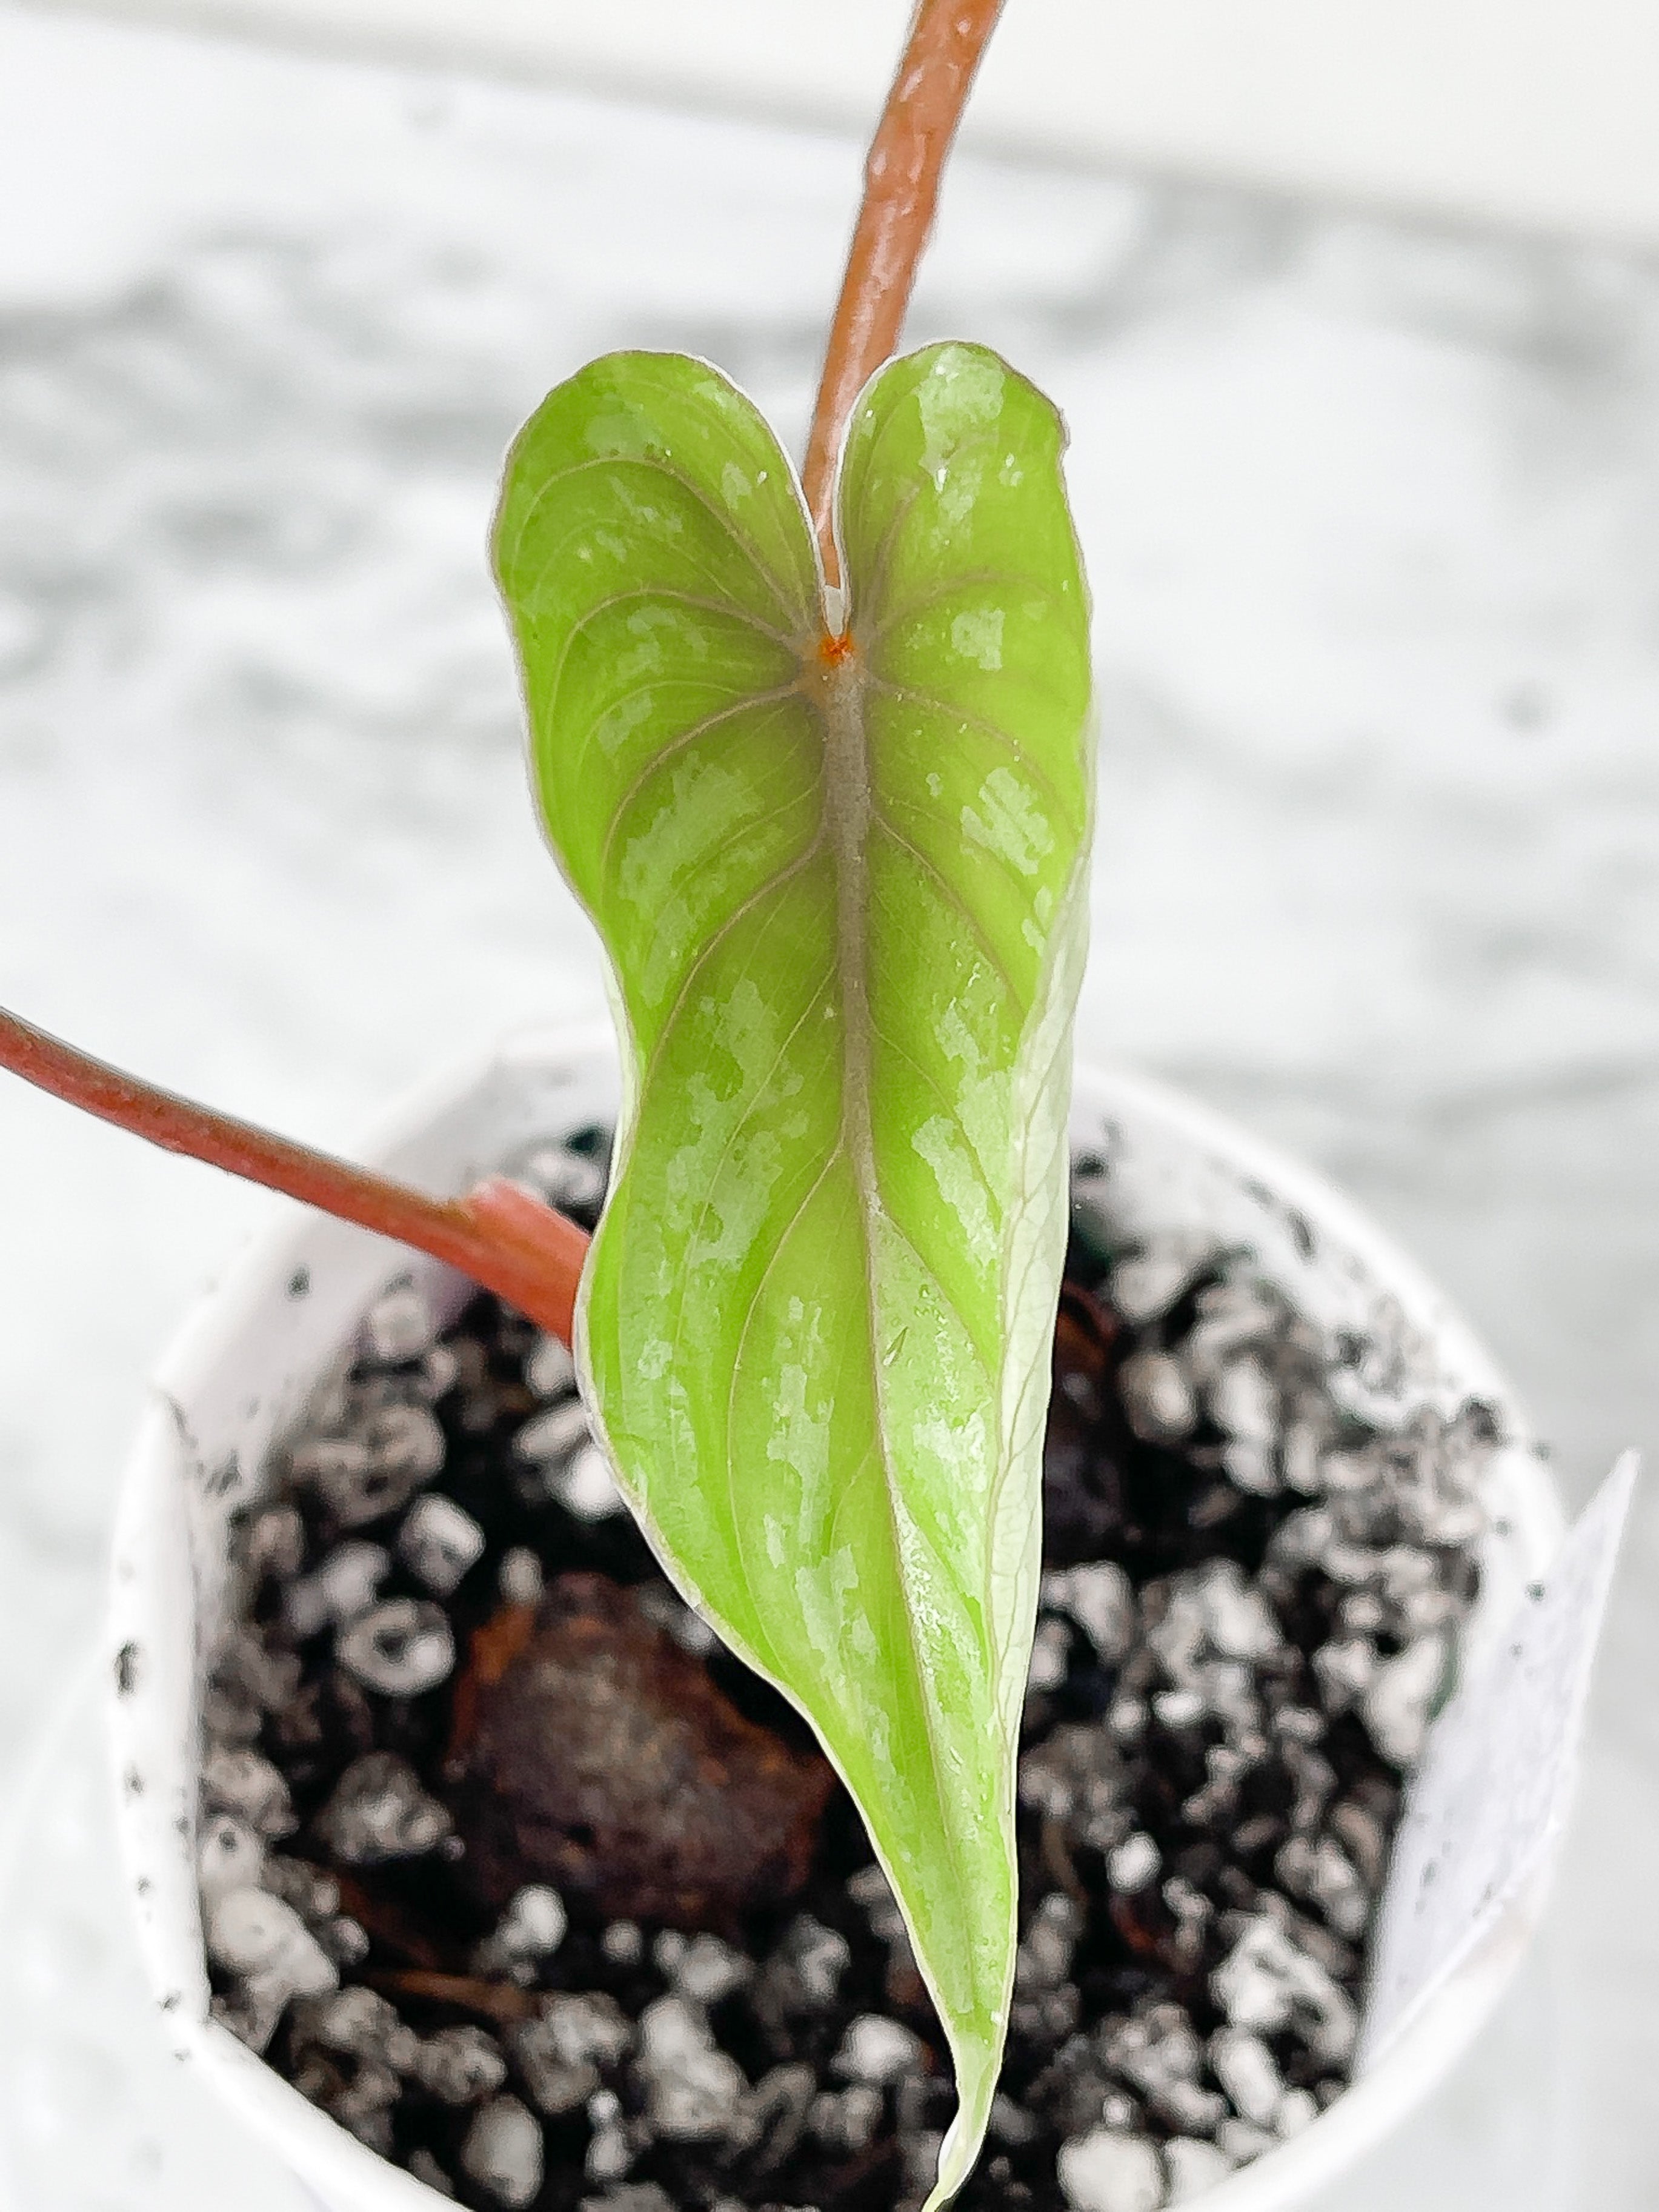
498 1234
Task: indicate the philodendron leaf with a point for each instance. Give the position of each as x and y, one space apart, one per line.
839 869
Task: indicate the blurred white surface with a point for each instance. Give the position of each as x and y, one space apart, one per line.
1531 112
1369 512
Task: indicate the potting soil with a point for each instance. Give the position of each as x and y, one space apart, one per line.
513 1870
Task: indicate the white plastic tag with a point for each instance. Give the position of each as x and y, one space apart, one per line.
1490 1798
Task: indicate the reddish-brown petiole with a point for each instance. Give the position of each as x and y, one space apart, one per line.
498 1234
901 192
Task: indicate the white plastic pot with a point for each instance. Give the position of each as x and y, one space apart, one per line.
244 1367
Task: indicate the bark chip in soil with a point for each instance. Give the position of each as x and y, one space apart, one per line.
576 1743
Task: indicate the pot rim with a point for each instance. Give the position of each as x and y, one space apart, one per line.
157 1584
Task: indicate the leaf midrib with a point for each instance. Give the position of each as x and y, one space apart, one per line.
848 812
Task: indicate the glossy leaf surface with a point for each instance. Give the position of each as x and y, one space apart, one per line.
841 881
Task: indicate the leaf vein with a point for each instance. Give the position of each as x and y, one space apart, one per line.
953 897
671 750
952 1111
774 882
720 517
906 610
1071 815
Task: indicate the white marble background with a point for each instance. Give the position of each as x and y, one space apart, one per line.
1372 514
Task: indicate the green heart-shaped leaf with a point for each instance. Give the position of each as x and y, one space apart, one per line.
838 871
